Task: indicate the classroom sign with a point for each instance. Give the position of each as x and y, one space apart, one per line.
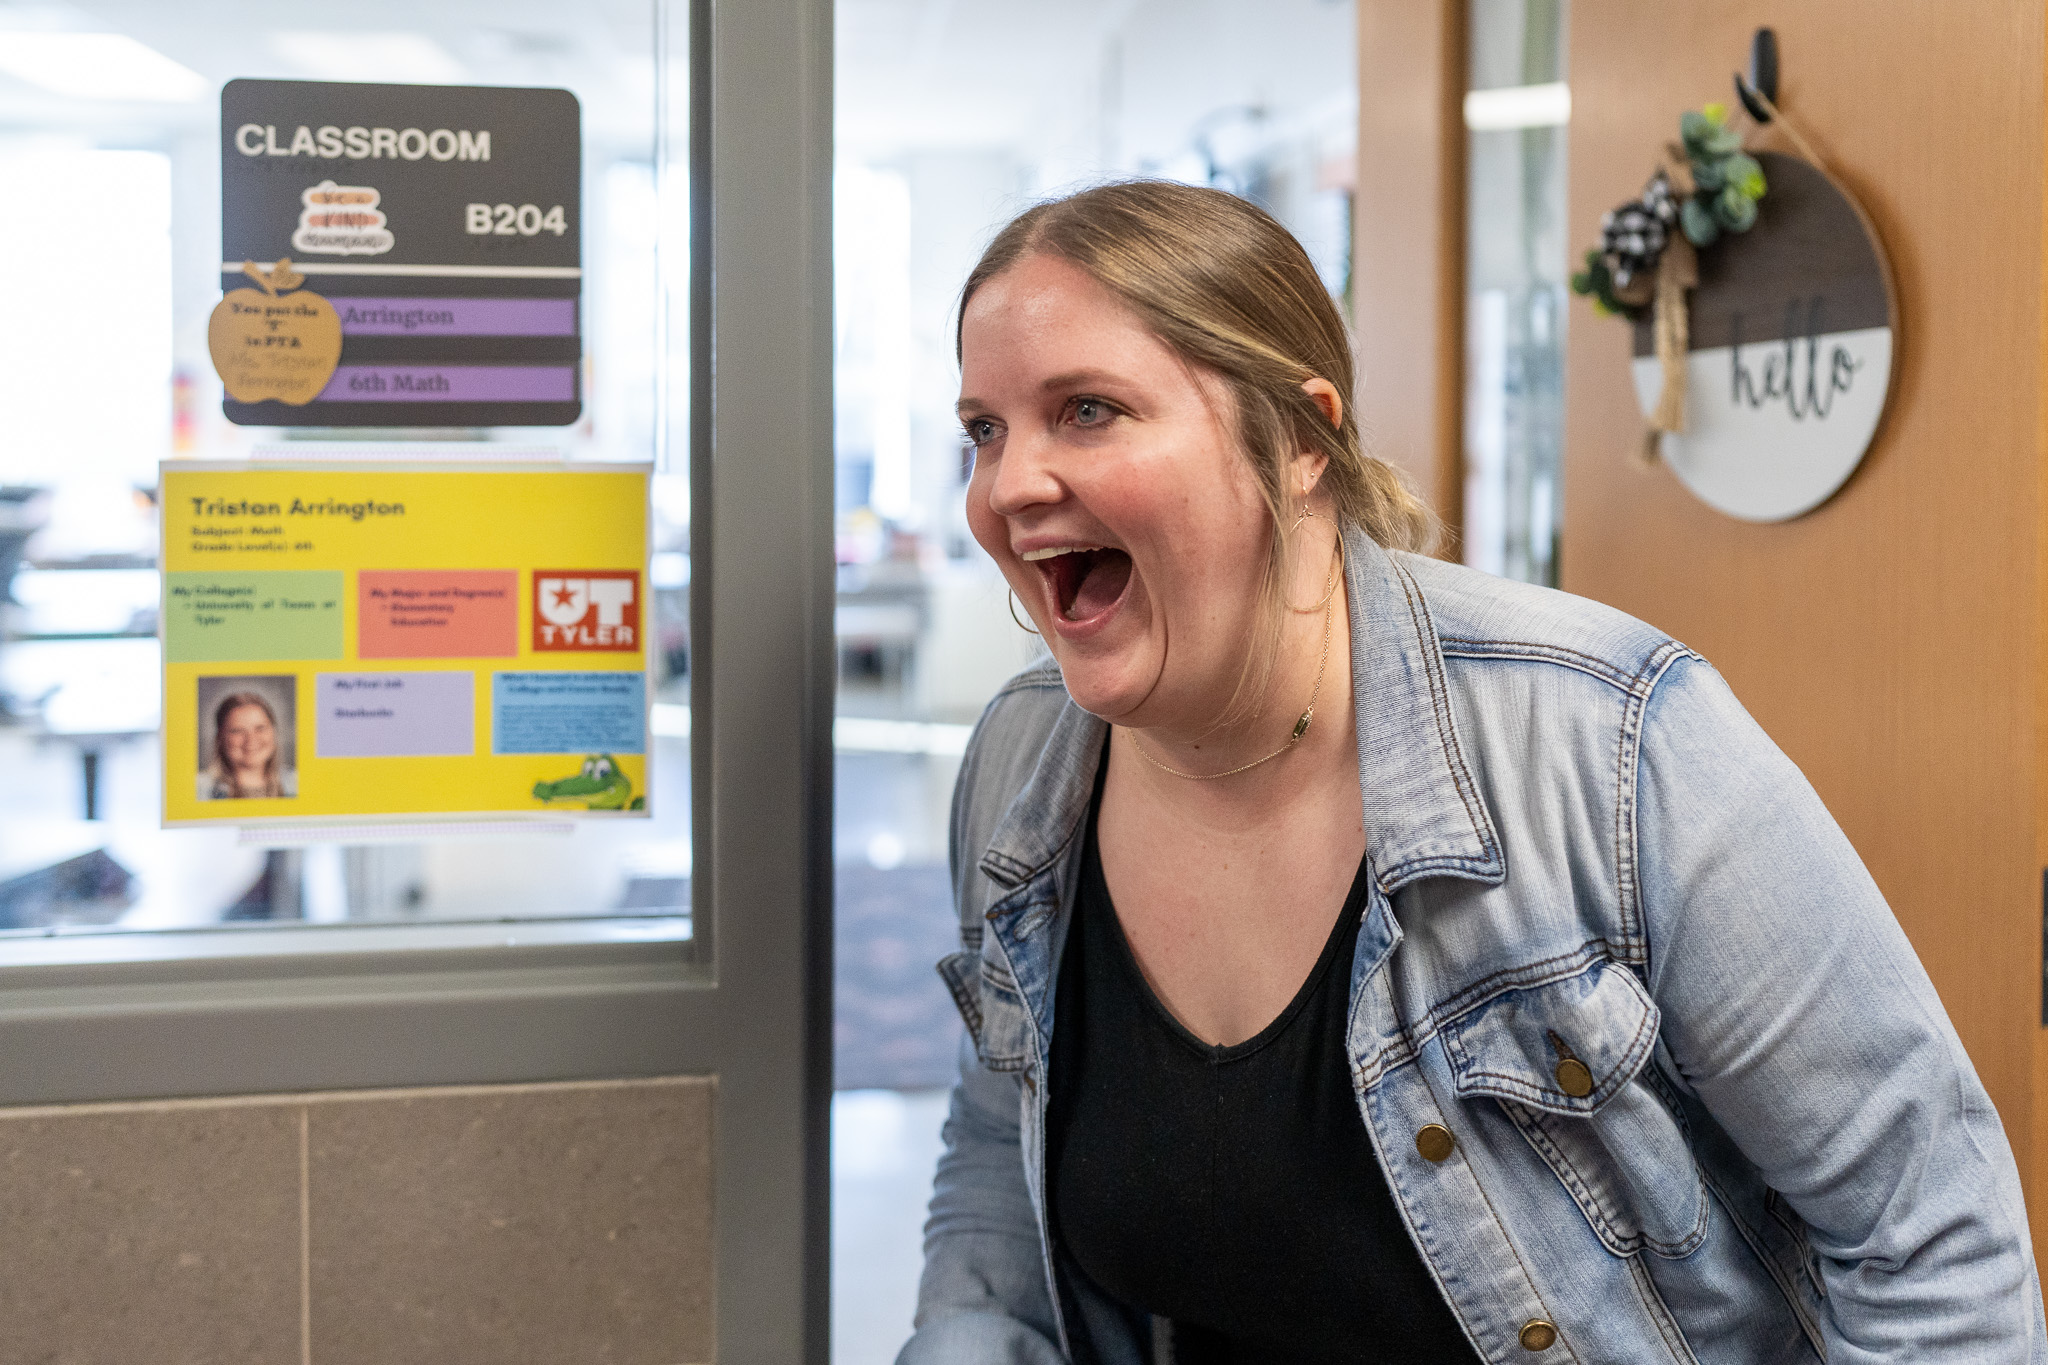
345 641
399 255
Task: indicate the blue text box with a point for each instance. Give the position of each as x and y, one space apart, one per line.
569 713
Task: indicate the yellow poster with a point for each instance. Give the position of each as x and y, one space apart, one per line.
389 640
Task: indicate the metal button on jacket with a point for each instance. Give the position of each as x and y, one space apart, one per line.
1574 1077
1538 1335
1434 1141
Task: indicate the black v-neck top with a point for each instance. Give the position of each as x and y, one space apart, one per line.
1233 1190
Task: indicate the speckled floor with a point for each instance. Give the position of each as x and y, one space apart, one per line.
894 1038
893 1026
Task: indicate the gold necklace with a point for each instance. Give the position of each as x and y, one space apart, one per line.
1300 726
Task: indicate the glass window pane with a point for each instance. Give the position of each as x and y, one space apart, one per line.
111 155
950 120
1515 287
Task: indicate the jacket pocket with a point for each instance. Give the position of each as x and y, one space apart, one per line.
1567 1061
961 973
991 1007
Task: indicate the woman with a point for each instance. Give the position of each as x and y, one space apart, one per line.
1368 959
245 751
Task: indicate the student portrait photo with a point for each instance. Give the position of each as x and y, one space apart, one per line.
247 728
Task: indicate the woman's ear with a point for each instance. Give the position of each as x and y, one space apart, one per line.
1324 395
1311 463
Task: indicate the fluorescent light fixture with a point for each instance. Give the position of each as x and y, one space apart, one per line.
900 736
401 58
98 66
861 734
1518 106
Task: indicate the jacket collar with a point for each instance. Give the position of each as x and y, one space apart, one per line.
1423 812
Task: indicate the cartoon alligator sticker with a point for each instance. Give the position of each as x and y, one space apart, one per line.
599 786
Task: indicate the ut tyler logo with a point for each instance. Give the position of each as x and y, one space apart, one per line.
586 609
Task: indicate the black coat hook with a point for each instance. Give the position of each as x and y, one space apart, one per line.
1763 75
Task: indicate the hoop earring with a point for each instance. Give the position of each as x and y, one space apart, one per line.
1336 567
1011 598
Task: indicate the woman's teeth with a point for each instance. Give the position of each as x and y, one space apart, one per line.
1032 556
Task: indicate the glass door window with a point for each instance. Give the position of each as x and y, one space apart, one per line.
1516 108
111 153
949 121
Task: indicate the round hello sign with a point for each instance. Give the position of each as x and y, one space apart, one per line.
1789 361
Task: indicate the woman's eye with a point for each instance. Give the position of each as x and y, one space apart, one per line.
1092 412
980 431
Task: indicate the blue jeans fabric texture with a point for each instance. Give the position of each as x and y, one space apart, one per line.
1574 829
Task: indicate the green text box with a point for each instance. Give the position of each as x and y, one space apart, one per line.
225 617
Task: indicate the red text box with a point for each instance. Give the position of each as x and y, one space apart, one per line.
437 614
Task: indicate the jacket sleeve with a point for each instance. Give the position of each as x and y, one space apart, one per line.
983 1298
1798 1013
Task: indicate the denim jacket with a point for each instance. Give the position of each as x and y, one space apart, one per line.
1574 830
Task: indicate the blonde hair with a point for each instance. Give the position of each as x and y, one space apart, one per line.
1229 289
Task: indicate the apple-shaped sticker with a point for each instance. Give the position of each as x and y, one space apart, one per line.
271 343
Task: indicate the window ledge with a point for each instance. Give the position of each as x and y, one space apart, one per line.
251 1009
69 961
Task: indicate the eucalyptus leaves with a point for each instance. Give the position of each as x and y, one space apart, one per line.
1709 186
1727 182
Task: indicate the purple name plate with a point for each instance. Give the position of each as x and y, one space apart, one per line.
456 317
395 715
451 384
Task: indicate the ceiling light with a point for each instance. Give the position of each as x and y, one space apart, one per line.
1518 106
98 66
405 58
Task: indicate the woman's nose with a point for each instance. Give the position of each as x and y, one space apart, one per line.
1024 476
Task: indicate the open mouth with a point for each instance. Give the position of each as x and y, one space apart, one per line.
1085 582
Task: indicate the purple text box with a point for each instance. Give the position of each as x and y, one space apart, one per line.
395 715
451 384
456 317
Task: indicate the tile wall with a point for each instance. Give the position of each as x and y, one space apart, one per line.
459 1226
